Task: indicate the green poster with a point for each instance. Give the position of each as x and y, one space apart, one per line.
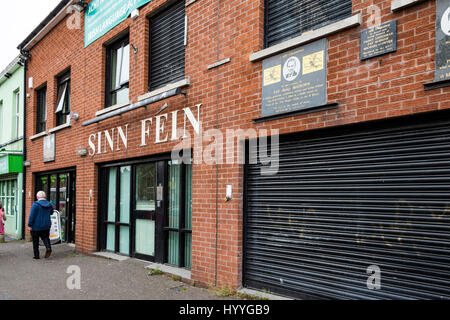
103 15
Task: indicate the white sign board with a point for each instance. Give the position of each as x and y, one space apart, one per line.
55 230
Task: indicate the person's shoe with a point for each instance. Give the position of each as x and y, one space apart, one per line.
36 258
48 254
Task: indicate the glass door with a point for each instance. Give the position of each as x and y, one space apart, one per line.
60 191
144 214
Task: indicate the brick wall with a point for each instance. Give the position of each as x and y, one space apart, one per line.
386 86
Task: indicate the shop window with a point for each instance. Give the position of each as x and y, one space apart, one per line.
41 119
118 218
118 73
139 220
167 46
63 102
8 197
287 19
179 218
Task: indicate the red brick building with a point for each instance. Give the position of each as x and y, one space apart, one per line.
362 178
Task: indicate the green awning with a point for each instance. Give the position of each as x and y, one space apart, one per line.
11 164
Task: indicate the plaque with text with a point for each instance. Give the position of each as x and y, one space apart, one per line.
295 80
379 40
49 148
442 40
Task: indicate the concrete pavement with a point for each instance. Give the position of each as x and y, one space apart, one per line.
22 278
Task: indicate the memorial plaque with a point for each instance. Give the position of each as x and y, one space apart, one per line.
379 40
442 40
49 148
295 80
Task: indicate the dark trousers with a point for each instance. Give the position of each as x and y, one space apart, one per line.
45 236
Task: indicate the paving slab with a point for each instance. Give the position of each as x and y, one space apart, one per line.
22 278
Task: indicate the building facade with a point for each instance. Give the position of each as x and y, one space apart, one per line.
138 117
11 146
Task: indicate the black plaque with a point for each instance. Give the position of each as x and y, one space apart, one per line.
442 40
379 40
295 80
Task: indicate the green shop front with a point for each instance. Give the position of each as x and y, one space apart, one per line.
11 195
146 210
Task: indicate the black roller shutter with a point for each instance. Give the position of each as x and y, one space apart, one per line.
167 50
348 198
287 19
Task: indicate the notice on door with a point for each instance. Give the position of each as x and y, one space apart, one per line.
442 40
295 80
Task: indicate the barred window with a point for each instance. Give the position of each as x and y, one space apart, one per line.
167 46
287 19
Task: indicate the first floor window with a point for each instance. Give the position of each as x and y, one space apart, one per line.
63 102
287 19
1 119
16 120
167 46
118 73
41 118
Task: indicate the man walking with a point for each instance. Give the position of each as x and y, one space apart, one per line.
40 223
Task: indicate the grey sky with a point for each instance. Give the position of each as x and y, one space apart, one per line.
18 18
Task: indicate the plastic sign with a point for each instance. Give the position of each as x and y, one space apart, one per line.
55 230
103 15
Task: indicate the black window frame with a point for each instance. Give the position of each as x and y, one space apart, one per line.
109 92
328 18
63 79
169 77
41 109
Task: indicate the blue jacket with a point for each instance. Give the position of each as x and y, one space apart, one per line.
40 216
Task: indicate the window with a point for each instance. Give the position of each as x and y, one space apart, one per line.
16 115
8 189
41 119
287 19
63 102
1 119
118 219
118 73
167 46
179 220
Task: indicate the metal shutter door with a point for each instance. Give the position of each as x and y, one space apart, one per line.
346 199
287 19
167 51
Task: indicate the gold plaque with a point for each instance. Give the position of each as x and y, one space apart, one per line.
272 75
313 62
